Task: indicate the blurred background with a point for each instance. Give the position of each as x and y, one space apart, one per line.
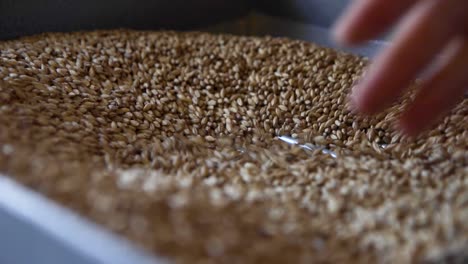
26 17
308 20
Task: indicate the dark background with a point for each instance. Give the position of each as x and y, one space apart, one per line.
26 17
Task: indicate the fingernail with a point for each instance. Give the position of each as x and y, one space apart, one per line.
339 33
343 29
351 103
354 96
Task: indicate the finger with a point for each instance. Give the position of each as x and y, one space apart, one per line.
423 33
365 19
440 92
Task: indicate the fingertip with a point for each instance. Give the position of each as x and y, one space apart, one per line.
340 34
415 121
407 127
352 27
345 34
351 104
359 102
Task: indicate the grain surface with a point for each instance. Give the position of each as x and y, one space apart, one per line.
171 140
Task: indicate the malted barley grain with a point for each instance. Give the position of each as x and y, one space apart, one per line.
170 140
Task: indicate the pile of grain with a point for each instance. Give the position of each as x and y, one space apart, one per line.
170 139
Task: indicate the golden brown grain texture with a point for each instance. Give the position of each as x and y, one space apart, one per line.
170 139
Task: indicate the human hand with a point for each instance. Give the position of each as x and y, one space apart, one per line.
427 28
